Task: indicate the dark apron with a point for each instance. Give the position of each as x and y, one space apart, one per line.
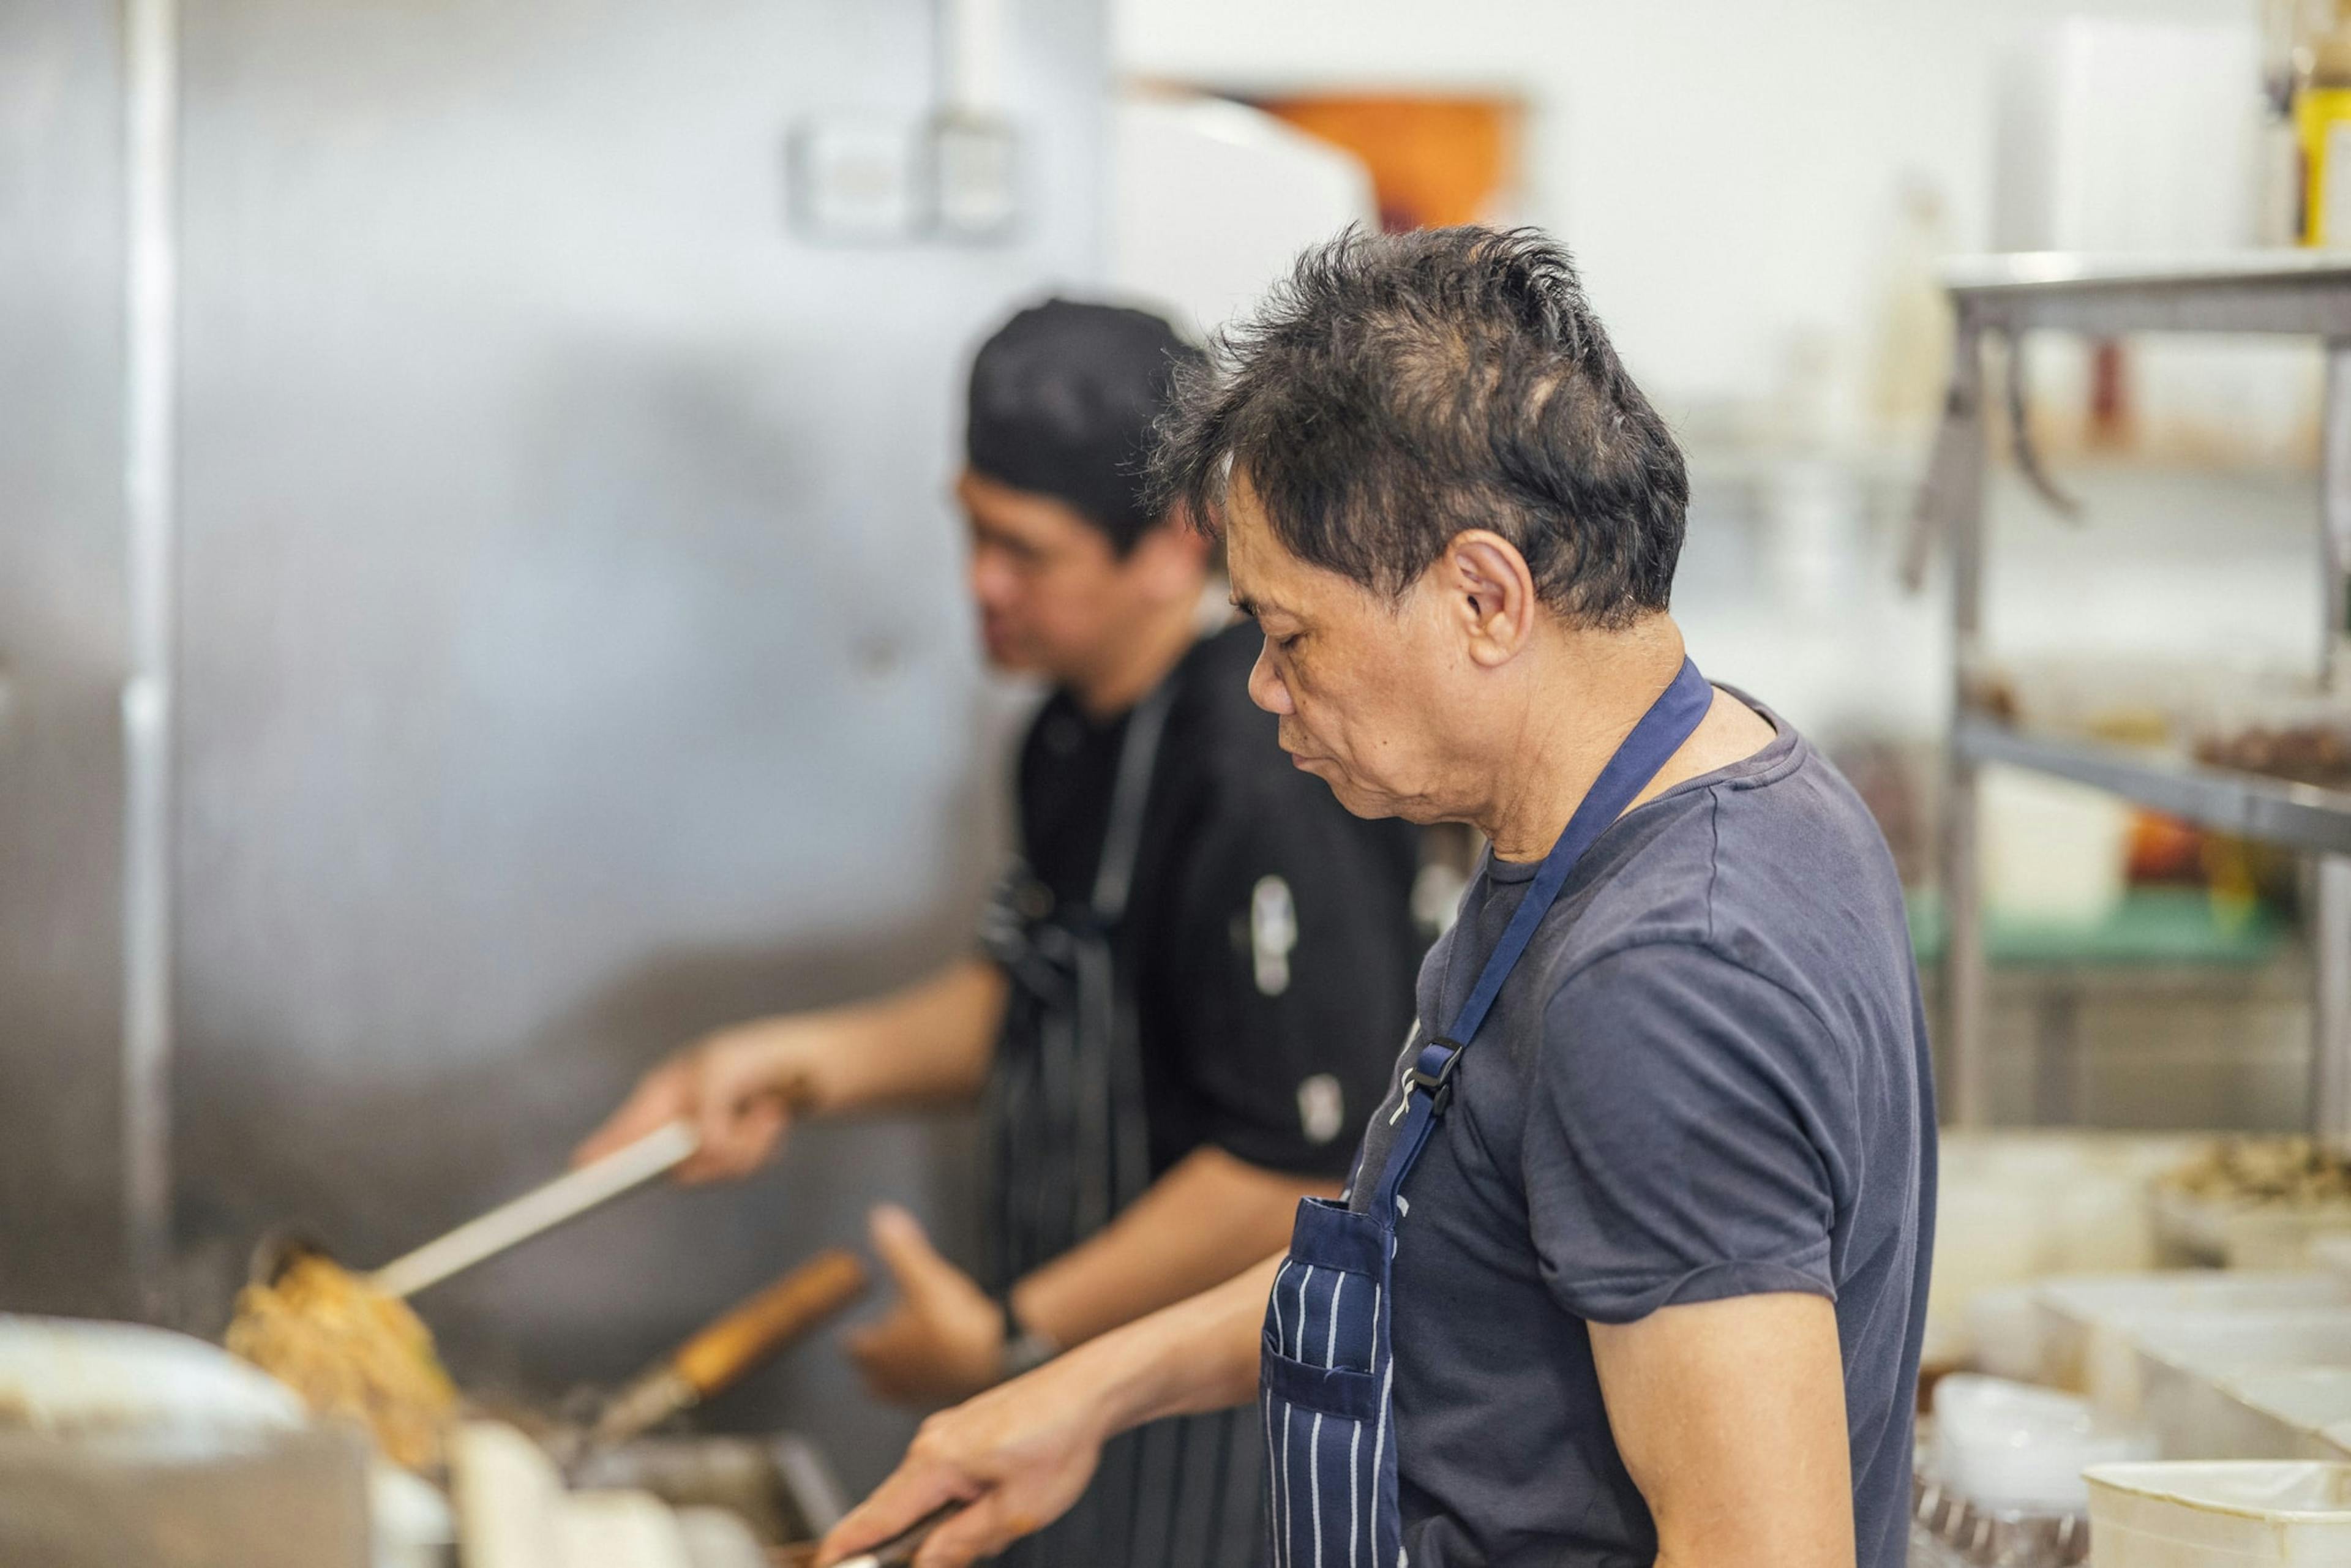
1071 1148
1327 1368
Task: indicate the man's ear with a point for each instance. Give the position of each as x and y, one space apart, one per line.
1169 559
1489 593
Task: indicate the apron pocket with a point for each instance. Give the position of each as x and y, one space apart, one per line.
1339 1391
1325 1320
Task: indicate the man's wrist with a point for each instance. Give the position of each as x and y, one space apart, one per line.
794 1071
1025 1349
1128 1378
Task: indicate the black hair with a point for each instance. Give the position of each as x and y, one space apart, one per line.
1398 389
1064 398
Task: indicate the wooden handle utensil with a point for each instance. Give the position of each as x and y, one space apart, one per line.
719 1356
756 1330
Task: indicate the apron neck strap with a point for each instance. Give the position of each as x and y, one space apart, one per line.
1667 725
1138 757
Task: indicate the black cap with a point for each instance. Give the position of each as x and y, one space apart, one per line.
1063 399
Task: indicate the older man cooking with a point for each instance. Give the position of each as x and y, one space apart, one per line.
1632 1267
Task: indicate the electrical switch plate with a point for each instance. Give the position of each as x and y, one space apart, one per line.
974 176
856 180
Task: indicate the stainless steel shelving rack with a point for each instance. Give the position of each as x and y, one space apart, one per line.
2292 293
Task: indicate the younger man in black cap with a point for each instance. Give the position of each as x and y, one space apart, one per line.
1191 985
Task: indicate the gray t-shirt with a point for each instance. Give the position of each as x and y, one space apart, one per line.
1707 1077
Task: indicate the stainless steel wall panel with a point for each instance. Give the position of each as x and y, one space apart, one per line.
573 652
61 657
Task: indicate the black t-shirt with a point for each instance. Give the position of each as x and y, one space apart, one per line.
1707 1077
1269 941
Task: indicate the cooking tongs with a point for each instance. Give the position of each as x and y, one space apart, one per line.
542 1208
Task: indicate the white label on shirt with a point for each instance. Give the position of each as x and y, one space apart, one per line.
1322 1108
1273 932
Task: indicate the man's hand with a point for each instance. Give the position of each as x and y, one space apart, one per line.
741 1087
945 1338
1017 1457
738 1087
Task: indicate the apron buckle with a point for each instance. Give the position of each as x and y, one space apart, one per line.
1439 1083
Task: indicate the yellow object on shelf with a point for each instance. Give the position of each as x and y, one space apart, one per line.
2322 123
2322 119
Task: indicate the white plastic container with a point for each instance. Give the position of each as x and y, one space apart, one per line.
2085 1322
2243 1515
2052 851
2020 1205
2282 1413
516 1513
2009 1447
2187 1360
2004 1328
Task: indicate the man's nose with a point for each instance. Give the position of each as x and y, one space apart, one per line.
990 579
1265 687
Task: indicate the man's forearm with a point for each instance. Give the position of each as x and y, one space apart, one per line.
1209 1217
1199 1355
1018 1456
933 1041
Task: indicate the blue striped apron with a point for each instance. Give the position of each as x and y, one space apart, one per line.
1327 1371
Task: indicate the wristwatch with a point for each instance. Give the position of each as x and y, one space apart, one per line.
1025 1350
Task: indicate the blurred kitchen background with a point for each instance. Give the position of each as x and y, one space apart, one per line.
479 602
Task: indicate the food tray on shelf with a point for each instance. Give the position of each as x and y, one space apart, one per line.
2083 1323
2282 1413
2021 1205
2241 1234
2186 1360
2253 1203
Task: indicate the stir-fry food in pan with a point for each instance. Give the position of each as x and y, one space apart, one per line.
348 1350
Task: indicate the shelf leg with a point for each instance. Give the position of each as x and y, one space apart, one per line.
2330 906
1965 1073
2330 955
2334 519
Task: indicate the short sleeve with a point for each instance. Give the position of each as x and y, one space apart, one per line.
1677 1145
1294 955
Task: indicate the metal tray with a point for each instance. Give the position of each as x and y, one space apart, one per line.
780 1485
